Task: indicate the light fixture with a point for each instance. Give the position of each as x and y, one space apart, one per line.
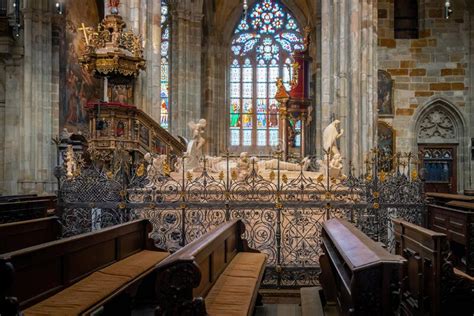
447 9
59 7
16 13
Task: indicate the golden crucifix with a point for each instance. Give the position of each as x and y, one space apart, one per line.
86 36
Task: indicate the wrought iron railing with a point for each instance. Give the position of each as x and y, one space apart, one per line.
283 210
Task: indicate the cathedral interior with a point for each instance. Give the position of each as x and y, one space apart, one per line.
237 157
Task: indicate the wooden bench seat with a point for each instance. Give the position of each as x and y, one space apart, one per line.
221 275
91 290
234 290
80 274
19 235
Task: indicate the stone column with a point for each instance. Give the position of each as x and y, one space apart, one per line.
348 73
213 96
185 59
144 17
35 159
470 105
13 103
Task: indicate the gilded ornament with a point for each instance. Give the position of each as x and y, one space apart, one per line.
141 170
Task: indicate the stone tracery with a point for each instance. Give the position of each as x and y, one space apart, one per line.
437 123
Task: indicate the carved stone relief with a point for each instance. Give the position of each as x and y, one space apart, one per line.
437 124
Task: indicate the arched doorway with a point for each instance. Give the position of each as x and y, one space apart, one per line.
440 141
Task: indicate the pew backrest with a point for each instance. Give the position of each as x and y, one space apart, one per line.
187 276
15 211
356 272
43 270
212 253
18 235
424 250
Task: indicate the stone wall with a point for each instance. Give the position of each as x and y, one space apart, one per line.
435 66
2 119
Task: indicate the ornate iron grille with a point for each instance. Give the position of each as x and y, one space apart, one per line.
283 216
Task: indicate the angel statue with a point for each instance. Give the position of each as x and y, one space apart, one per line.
330 137
194 146
331 152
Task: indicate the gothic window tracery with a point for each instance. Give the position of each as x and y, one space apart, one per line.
164 85
261 50
437 124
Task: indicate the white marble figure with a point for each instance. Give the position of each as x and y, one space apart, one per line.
330 137
155 165
71 165
194 148
272 164
65 134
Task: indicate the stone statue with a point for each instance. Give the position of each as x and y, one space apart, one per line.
331 152
65 134
155 165
272 164
243 166
194 146
71 166
330 137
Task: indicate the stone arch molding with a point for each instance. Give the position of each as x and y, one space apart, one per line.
439 123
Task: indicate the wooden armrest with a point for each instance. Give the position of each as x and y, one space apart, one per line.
463 275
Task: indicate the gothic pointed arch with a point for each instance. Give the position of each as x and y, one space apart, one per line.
438 126
439 122
260 52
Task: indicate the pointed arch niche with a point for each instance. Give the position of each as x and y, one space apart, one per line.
260 52
440 134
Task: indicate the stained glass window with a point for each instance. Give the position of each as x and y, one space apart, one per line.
261 51
165 42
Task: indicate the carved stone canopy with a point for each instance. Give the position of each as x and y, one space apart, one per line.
437 125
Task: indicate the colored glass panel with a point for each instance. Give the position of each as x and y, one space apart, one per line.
261 90
273 137
247 106
247 90
235 137
235 90
235 74
262 74
263 42
247 120
247 74
261 137
164 82
247 137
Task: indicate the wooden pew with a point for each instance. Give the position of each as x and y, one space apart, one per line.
80 274
456 220
8 198
14 211
356 272
28 233
217 274
429 282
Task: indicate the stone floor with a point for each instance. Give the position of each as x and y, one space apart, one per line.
278 310
275 303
